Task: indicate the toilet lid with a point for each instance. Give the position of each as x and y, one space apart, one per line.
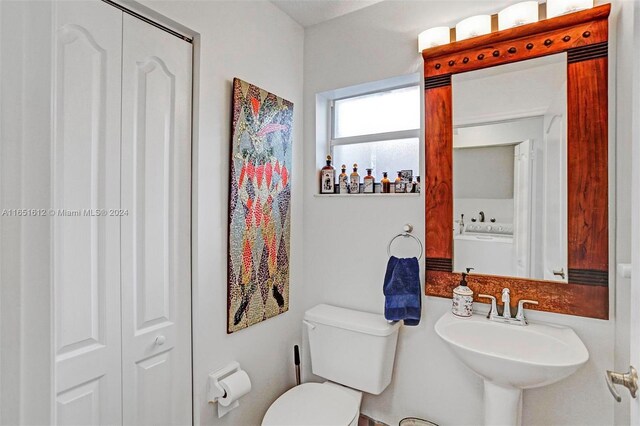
312 404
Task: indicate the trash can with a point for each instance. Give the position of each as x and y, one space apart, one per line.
414 421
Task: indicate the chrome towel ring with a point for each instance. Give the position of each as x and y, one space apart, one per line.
406 234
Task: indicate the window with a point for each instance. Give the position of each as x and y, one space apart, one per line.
378 129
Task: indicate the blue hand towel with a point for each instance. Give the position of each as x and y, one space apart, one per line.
403 296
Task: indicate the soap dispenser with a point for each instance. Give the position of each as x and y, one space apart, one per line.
463 298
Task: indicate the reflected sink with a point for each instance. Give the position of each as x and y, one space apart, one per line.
511 358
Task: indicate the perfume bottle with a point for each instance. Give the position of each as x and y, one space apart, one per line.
369 182
399 183
385 184
411 187
343 181
327 178
354 180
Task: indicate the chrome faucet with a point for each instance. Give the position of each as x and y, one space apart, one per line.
506 300
520 315
481 216
493 314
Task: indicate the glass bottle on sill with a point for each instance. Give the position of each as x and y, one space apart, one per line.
385 184
369 182
354 180
411 186
343 181
399 183
327 178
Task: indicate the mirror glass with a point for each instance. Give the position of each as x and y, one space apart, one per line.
510 169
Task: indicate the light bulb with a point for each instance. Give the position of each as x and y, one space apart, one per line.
562 7
432 37
518 14
473 27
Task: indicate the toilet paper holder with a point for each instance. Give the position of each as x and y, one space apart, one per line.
215 392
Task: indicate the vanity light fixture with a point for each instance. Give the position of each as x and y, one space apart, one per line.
518 14
562 7
433 37
522 13
473 26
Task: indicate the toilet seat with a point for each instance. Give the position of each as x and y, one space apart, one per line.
313 404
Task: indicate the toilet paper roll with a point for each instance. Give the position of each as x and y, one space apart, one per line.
235 385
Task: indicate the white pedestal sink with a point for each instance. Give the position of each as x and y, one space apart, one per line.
511 358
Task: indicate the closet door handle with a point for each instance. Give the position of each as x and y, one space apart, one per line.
629 380
160 340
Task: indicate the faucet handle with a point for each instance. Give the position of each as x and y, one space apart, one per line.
521 302
506 295
494 309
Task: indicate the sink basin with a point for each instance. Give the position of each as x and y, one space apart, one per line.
522 357
511 358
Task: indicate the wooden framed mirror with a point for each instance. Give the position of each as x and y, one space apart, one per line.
582 39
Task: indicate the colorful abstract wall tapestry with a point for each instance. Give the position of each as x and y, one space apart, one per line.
259 206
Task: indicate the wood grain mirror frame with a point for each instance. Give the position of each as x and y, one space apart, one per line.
584 37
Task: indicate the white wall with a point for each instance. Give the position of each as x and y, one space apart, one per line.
483 172
500 209
499 133
497 93
254 41
375 43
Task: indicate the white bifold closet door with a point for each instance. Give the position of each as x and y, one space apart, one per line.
86 249
121 282
156 261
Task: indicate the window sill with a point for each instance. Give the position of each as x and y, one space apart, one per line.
362 194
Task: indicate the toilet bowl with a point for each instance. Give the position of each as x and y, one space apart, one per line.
355 352
315 404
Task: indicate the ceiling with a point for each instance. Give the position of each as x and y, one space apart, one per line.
312 12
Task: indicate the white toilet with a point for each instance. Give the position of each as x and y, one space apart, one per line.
349 348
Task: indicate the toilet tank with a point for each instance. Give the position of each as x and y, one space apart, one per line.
352 348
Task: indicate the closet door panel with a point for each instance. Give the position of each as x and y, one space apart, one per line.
86 183
156 179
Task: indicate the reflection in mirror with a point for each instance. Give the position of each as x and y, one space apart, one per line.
509 169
